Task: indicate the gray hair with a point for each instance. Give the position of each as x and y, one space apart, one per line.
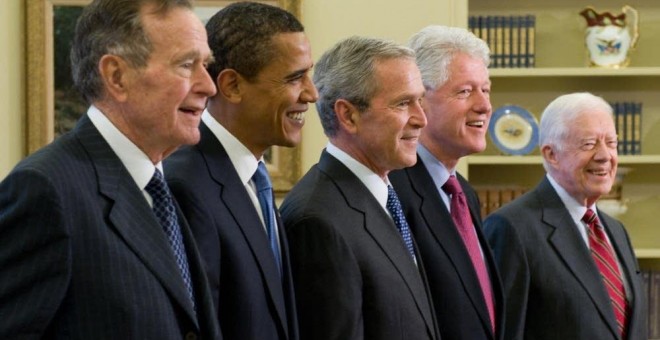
559 115
436 46
346 71
112 27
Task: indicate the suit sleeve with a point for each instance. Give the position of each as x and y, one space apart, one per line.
514 270
35 254
327 281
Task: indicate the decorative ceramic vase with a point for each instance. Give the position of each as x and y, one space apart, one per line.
610 38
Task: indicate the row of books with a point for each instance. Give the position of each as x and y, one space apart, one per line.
511 38
628 120
652 284
493 197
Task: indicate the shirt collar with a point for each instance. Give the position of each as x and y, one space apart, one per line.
371 180
137 163
243 160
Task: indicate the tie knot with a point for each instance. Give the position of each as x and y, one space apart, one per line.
452 186
589 217
261 178
157 187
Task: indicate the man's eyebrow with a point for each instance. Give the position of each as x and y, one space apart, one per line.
297 74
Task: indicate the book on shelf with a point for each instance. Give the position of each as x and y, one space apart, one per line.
492 198
651 280
511 38
628 123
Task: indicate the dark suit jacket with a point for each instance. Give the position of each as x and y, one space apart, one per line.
354 277
82 255
459 304
252 300
554 290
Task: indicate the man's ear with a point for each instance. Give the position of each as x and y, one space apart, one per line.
230 85
348 115
549 154
115 76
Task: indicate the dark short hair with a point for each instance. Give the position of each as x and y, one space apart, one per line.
112 27
240 36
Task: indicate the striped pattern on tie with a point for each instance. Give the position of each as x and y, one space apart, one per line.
605 260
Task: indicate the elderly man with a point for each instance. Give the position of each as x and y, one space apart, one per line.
568 269
93 246
441 206
262 72
356 269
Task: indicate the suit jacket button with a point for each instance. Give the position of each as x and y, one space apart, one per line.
191 336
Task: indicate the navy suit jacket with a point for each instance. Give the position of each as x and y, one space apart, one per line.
354 277
459 304
252 300
553 287
82 255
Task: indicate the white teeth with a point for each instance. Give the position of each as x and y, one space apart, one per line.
299 116
479 123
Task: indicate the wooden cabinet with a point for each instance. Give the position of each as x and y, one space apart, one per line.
562 67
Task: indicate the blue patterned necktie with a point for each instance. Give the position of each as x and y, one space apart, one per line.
163 208
261 180
394 206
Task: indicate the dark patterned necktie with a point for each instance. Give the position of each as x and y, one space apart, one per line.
460 214
261 180
605 260
394 206
163 208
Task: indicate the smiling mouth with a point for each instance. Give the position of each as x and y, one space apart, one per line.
478 123
297 116
598 172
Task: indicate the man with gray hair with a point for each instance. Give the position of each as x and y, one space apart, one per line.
441 206
356 269
568 269
93 246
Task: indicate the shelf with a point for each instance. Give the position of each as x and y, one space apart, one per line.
647 253
523 160
575 72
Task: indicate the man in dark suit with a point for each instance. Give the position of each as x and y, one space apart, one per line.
465 285
92 245
568 269
262 67
355 267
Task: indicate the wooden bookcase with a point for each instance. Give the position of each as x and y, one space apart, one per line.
562 67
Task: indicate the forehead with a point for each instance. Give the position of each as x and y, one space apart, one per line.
290 49
178 25
593 122
397 75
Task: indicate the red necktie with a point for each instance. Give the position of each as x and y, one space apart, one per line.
605 260
460 213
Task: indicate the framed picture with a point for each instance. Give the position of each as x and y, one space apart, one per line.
53 106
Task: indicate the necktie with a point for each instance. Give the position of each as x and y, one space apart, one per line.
261 180
460 213
605 260
163 208
394 206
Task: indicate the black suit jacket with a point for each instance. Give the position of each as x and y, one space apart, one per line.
82 256
459 304
252 300
354 277
554 290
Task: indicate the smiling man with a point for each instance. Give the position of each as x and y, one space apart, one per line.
567 268
462 274
262 73
356 269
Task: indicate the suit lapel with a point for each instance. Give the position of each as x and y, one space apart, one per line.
239 204
382 229
571 249
438 218
131 215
